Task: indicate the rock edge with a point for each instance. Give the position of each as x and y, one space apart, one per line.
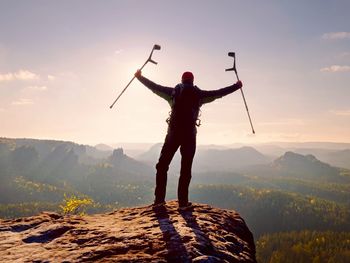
141 234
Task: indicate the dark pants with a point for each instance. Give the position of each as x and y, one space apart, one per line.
187 143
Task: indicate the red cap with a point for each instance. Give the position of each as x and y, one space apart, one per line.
187 77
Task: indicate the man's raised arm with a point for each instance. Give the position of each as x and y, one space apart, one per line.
164 92
211 95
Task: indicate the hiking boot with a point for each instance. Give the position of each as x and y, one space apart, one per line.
184 207
158 204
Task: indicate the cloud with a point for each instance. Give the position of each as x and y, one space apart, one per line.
336 68
19 75
22 102
6 77
25 75
37 88
50 77
117 52
341 112
336 35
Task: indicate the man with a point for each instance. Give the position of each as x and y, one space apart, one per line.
185 101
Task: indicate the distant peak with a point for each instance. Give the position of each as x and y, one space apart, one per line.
118 152
296 156
248 149
103 147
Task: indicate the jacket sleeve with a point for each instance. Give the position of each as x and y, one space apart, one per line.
164 92
211 95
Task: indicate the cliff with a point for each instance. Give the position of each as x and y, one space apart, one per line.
141 234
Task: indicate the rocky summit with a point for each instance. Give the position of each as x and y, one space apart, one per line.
142 234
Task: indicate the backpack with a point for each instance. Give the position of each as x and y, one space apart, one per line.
185 106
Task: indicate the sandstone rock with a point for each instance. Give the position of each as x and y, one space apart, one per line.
141 234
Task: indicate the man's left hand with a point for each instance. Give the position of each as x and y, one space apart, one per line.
138 73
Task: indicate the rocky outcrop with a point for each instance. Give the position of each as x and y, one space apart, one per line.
142 234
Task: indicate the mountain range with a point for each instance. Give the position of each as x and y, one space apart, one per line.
218 158
211 158
208 159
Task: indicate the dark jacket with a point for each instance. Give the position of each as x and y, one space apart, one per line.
198 98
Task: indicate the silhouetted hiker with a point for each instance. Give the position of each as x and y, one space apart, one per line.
185 101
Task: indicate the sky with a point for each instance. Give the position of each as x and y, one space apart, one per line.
63 63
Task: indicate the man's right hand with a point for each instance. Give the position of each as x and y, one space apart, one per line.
138 73
239 84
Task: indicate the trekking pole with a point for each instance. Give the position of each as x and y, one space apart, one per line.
232 54
155 47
